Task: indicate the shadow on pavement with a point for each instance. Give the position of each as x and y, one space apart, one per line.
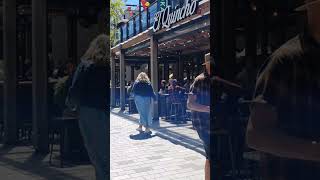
166 133
141 136
30 163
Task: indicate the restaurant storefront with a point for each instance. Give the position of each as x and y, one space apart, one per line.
162 41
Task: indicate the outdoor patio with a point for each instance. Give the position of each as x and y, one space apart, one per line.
20 162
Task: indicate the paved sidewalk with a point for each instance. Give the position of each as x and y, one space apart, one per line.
173 151
20 163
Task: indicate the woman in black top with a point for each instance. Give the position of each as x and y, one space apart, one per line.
143 96
89 91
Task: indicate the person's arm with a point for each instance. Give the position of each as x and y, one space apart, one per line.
152 93
77 85
192 99
194 106
264 135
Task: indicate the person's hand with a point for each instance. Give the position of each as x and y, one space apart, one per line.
207 109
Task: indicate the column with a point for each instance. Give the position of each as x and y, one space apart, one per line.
102 21
59 40
28 41
122 81
113 81
228 39
154 72
149 69
166 70
251 34
10 61
180 67
72 23
40 78
132 73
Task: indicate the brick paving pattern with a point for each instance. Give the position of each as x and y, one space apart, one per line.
173 151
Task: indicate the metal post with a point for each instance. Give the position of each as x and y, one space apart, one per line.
140 18
10 80
148 18
180 67
113 81
122 81
154 72
166 70
39 75
103 23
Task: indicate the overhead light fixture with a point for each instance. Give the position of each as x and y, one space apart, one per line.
254 7
275 13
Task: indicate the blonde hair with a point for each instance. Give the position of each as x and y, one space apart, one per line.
98 51
143 77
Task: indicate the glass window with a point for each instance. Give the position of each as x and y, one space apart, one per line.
144 20
124 30
152 11
131 31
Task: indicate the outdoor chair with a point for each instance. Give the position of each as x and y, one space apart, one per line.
55 130
176 109
221 135
56 137
132 105
24 112
57 134
251 165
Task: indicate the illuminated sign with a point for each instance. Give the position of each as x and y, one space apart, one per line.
166 17
162 4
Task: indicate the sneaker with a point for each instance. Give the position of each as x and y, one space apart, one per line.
139 129
147 131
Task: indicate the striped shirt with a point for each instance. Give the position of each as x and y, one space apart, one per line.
201 89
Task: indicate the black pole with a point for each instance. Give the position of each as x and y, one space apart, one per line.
10 80
140 18
148 18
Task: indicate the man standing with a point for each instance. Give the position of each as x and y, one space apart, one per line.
284 121
199 104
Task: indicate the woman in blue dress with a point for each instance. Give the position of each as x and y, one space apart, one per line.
144 97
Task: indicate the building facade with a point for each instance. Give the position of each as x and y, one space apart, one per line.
168 38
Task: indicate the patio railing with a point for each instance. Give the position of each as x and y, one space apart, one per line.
138 23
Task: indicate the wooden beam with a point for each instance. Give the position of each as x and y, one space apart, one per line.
122 81
39 75
10 80
154 73
113 81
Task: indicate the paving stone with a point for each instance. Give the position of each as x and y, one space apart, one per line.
20 163
143 169
178 155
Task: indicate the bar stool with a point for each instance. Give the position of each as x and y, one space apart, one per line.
220 134
176 109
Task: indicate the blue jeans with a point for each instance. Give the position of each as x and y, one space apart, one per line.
93 127
144 108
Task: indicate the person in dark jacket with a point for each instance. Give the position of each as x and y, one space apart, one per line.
284 114
143 97
89 91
